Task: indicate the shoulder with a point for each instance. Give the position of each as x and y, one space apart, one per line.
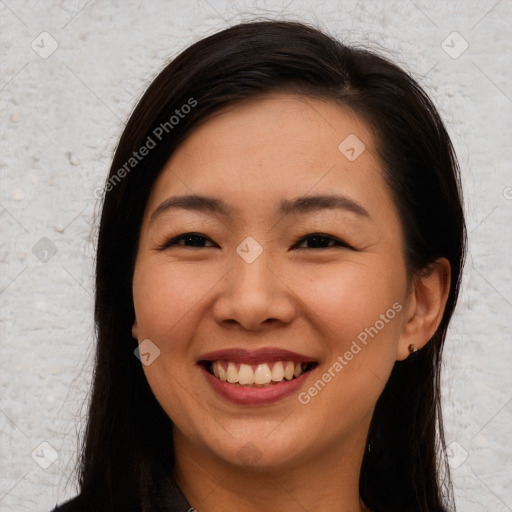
165 496
170 499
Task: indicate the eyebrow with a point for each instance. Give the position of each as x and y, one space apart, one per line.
299 205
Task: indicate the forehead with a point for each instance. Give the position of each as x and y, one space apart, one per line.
278 146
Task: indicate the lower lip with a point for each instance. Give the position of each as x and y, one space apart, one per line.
245 395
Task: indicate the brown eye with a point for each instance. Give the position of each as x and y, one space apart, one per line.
321 241
186 240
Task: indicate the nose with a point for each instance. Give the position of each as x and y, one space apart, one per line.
254 296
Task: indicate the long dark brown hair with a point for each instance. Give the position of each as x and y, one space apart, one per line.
127 447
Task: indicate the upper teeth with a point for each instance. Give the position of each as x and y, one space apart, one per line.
260 374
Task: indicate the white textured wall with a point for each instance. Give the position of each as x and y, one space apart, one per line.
61 118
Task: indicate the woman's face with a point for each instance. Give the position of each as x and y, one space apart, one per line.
296 265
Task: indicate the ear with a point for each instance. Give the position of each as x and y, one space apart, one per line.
135 330
425 307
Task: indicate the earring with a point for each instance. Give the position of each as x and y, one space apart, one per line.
411 348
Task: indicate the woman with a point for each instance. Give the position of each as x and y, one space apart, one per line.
279 256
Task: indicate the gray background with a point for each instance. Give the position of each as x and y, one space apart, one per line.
62 114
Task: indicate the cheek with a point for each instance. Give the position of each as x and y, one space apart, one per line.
358 311
349 298
165 297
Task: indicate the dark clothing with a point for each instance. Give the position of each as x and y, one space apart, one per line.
172 500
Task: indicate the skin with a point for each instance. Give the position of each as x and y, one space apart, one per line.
314 301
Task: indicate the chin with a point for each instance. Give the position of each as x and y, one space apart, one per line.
256 450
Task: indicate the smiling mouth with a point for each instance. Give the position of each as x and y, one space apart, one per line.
257 375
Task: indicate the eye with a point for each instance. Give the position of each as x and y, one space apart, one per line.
315 241
188 239
321 241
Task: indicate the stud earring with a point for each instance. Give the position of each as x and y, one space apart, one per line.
411 348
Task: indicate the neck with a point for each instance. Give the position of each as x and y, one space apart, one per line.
328 481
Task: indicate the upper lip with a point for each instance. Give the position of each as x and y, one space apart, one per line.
261 355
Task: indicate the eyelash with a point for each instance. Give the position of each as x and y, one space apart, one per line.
173 241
